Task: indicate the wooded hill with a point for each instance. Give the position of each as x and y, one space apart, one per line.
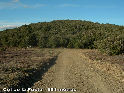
108 38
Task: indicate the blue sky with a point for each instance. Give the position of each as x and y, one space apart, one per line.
19 12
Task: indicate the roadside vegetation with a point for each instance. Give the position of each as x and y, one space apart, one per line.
95 55
20 68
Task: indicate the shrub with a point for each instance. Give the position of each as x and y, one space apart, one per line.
3 49
111 45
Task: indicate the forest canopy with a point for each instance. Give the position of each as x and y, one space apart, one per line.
108 38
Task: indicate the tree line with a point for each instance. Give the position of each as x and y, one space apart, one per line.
108 38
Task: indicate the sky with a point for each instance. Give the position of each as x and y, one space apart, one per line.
19 12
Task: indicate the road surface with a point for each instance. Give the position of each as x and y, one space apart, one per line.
73 74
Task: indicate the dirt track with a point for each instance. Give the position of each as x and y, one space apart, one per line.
74 72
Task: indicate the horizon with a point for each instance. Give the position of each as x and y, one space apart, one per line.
20 12
5 27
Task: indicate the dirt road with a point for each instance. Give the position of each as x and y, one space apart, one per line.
72 73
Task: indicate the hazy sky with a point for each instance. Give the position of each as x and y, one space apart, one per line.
18 12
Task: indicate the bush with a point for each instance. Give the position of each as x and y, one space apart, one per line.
111 45
3 49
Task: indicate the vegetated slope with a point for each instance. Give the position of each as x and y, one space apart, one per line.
107 38
73 71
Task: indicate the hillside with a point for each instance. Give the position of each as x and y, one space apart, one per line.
107 38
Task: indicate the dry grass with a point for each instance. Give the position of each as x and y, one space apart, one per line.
17 64
113 65
96 55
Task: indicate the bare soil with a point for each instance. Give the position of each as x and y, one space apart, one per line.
75 72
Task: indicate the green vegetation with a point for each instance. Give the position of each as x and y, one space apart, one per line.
2 49
107 38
